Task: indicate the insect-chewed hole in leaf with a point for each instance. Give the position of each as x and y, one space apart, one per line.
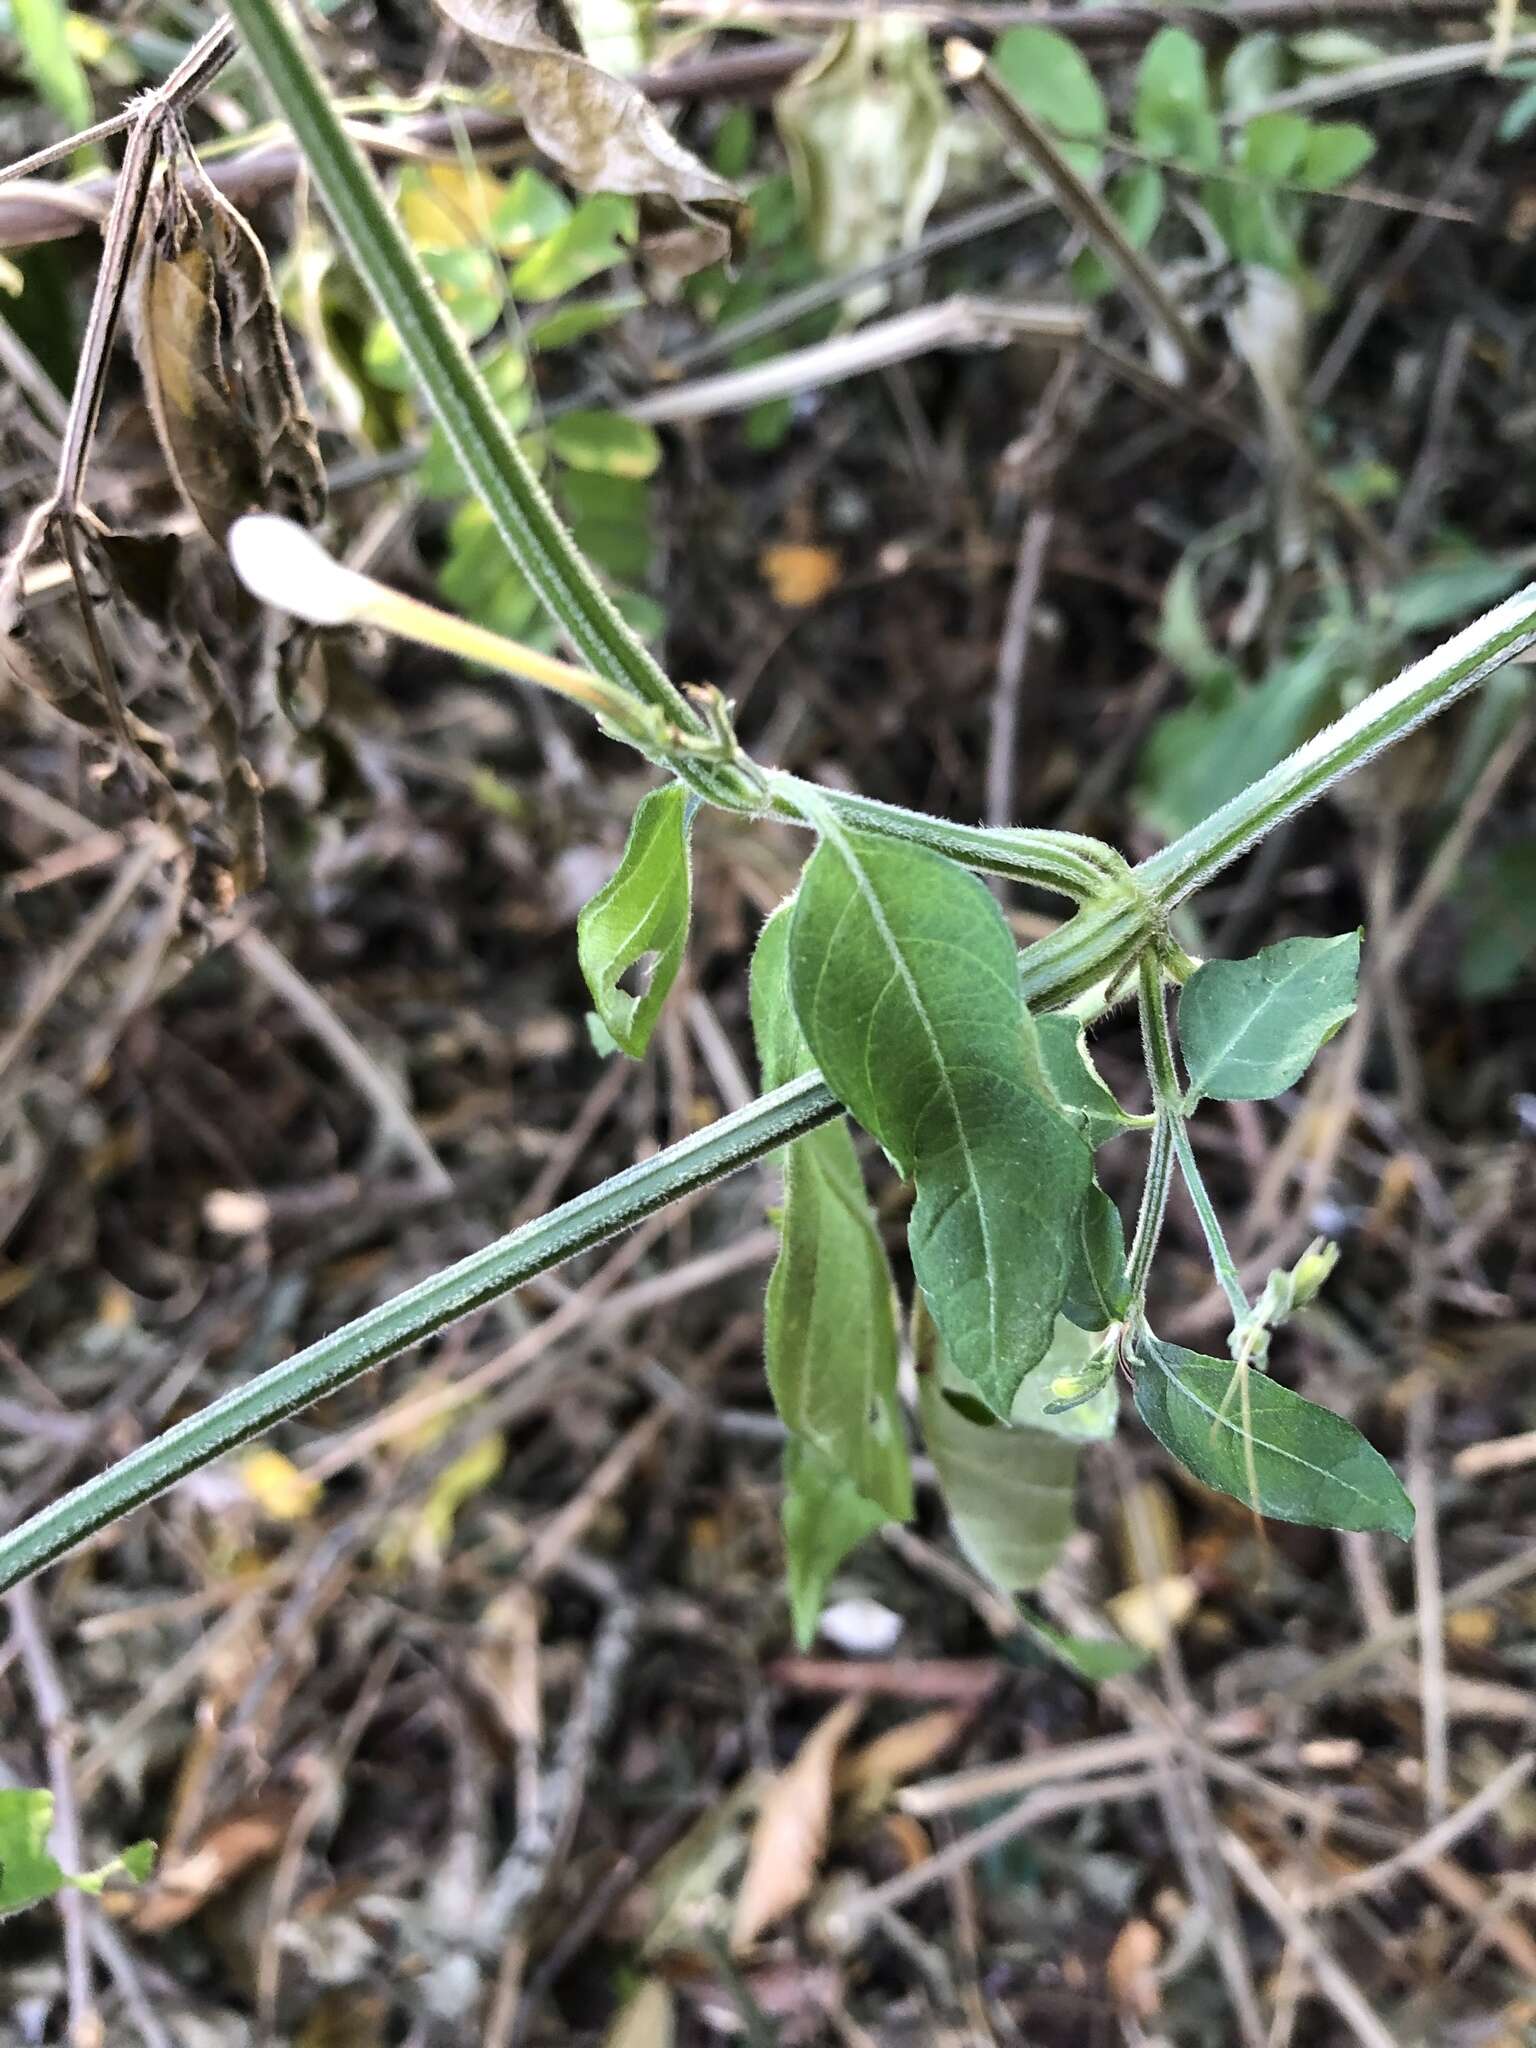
637 977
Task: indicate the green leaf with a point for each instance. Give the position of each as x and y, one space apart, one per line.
1173 115
29 1874
1274 145
479 577
472 285
529 210
1249 1029
829 1319
1135 198
1254 222
1049 78
1301 1464
1253 73
581 318
595 238
506 378
1009 1492
1499 945
825 1516
610 517
1091 1658
642 910
42 29
904 978
1076 1083
1074 1361
605 443
1335 151
1098 1293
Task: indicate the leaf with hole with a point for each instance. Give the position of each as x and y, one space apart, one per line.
904 979
1249 1029
829 1319
1284 1456
1076 1083
602 131
637 923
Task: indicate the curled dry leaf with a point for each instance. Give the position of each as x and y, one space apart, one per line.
901 1752
185 1883
1132 1968
218 377
602 131
791 1830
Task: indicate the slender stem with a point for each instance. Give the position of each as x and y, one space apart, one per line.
250 1410
1388 714
487 451
1166 1092
1149 1218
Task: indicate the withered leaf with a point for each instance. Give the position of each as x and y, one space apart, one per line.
791 1831
602 131
218 376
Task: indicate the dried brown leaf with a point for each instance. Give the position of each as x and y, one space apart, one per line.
602 131
218 377
184 1884
649 2020
791 1830
1132 1968
901 1752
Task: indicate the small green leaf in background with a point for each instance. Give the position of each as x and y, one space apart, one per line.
506 378
1308 1465
1135 198
1075 1359
1173 114
904 977
1273 145
825 1516
1050 79
1075 1081
610 517
1498 948
42 29
829 1319
480 579
1253 73
605 443
528 211
29 1874
1090 1658
1009 1492
642 910
1335 151
1249 1029
581 318
596 237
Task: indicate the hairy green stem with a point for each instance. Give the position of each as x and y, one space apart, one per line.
420 1312
1167 1094
1149 1218
1385 716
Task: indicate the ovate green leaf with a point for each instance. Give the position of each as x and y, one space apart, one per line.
1287 1457
1050 79
1097 1290
904 979
1274 145
1091 1658
605 443
1009 1492
591 241
1335 151
638 921
1250 1028
29 1874
829 1319
1173 115
825 1516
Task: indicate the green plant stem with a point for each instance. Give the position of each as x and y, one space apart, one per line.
250 1410
487 451
1387 715
1149 1218
1166 1092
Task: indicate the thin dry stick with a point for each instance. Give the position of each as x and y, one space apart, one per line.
1075 1760
850 1922
1430 1593
391 1111
82 943
53 1718
1433 1843
1333 1981
1012 656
